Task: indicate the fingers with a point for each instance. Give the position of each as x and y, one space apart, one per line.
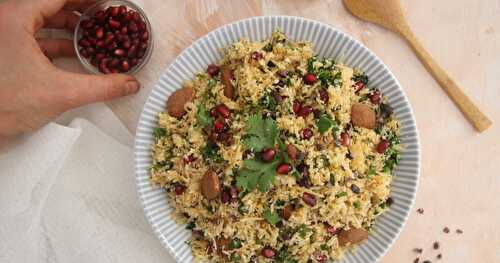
63 19
78 90
54 48
49 8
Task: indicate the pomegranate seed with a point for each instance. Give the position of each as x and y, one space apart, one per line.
84 53
218 126
125 66
223 111
113 10
268 252
382 146
132 51
114 63
282 73
309 199
135 16
84 42
143 45
132 26
375 97
119 52
213 70
310 79
321 258
87 24
126 45
213 112
109 38
90 50
99 33
100 44
330 229
345 139
122 10
296 107
141 26
135 41
225 197
234 193
307 134
323 95
305 111
100 56
189 158
277 97
283 168
358 86
141 53
179 189
145 36
256 56
305 181
112 46
114 24
100 15
292 151
267 155
134 62
124 30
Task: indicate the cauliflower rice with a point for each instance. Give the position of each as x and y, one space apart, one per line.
280 171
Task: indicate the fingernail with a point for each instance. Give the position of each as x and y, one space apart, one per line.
132 87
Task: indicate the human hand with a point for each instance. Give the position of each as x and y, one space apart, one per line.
32 90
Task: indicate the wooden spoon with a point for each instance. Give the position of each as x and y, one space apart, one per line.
389 14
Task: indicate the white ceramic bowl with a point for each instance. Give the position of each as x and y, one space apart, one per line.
328 42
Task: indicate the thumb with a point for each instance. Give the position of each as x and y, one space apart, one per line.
79 89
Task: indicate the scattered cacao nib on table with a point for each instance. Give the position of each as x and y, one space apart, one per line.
446 230
420 210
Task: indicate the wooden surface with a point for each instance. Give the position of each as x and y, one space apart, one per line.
460 179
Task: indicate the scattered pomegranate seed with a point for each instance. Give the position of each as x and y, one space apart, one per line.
189 159
113 10
330 229
321 258
283 168
99 32
256 56
179 189
233 191
323 95
268 252
296 107
213 70
225 197
382 146
358 86
375 97
305 111
310 79
219 126
268 154
223 111
345 139
307 134
309 199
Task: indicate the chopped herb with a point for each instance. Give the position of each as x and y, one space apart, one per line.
268 47
271 218
357 204
261 133
271 64
235 243
303 230
337 79
324 123
310 64
324 247
235 258
332 179
203 116
159 132
191 225
268 102
280 203
372 170
243 209
211 153
361 77
338 195
211 83
257 174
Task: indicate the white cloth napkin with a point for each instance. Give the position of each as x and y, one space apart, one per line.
67 194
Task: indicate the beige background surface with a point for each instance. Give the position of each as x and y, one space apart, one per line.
460 179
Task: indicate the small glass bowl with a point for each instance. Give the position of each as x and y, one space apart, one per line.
102 5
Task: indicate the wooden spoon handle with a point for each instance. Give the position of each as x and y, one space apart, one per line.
466 106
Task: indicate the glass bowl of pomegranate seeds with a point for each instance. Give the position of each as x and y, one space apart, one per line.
113 37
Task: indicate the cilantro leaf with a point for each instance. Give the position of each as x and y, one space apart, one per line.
159 132
257 174
324 123
211 153
361 77
261 133
303 230
203 116
271 218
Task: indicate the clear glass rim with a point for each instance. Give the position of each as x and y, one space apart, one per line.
87 14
